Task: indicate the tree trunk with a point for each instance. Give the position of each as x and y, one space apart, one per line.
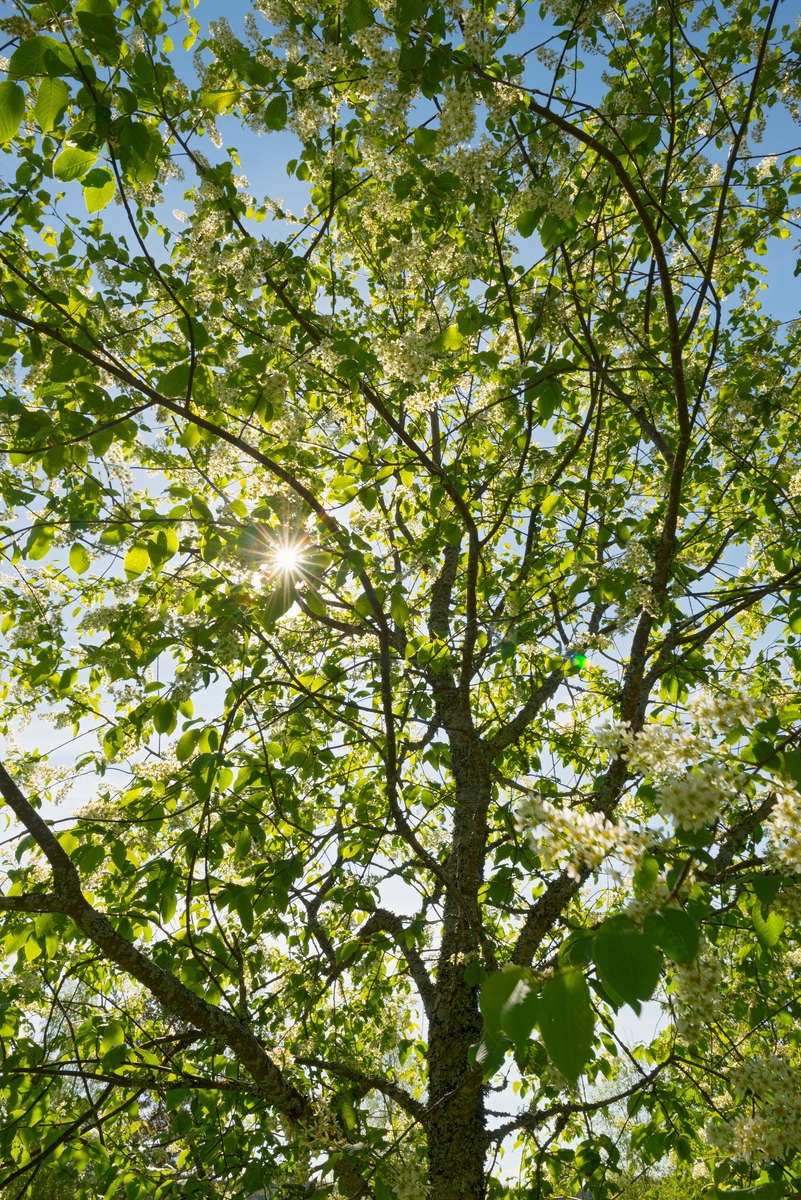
456 1097
456 1133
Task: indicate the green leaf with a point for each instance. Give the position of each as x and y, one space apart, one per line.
495 991
628 962
12 109
39 542
79 558
175 382
425 140
164 716
449 340
768 930
359 14
186 744
113 1035
243 908
99 187
278 601
136 561
646 875
576 950
72 163
674 931
53 98
31 57
219 102
519 1014
767 887
567 1022
399 609
174 1097
527 223
489 1055
275 113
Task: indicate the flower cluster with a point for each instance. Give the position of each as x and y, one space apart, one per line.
695 798
584 839
784 827
769 1130
697 994
692 795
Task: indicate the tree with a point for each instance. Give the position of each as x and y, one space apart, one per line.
427 571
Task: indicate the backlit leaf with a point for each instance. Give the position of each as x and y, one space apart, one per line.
567 1022
12 109
628 962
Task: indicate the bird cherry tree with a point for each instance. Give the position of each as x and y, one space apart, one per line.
411 586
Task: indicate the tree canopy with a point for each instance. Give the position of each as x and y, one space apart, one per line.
411 586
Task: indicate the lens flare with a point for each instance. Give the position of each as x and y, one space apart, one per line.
286 558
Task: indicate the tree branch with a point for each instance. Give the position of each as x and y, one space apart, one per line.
173 994
371 1083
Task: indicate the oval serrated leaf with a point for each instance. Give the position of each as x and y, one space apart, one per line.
175 381
526 223
30 56
72 163
137 560
164 717
576 950
79 559
768 929
519 1014
186 744
53 98
12 109
495 991
98 189
674 931
567 1022
628 962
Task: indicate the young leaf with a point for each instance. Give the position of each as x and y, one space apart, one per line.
519 1014
646 875
576 950
275 114
768 930
136 561
53 98
567 1022
72 163
12 109
164 717
489 1054
79 559
359 14
98 189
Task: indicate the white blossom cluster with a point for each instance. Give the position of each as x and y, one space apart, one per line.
697 993
724 712
457 118
692 786
784 827
695 798
409 1177
770 1129
583 839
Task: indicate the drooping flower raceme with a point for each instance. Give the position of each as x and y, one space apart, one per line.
769 1128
